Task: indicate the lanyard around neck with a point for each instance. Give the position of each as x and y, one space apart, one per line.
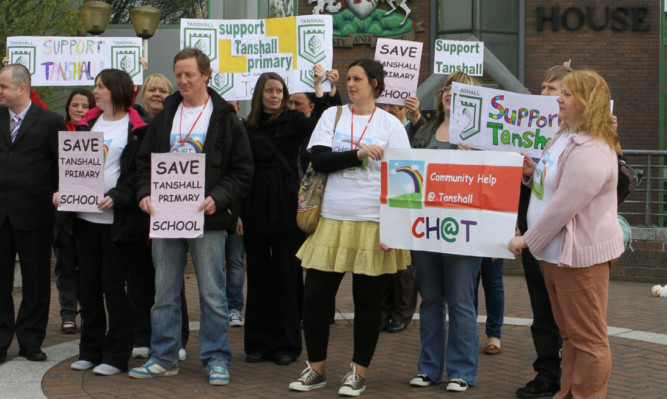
180 123
352 144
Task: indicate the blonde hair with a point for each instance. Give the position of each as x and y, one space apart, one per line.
591 95
458 77
157 77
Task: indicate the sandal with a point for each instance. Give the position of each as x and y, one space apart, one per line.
492 349
68 327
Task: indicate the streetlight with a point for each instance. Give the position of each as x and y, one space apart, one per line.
95 16
145 20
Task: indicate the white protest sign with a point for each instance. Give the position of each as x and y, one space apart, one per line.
81 157
453 55
241 50
177 191
74 61
498 120
449 201
401 60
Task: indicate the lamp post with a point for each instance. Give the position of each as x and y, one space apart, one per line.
145 20
95 16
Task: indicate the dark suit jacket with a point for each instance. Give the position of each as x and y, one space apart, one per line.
29 169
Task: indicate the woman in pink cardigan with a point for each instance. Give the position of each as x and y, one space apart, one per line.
573 230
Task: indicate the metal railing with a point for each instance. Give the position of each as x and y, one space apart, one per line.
645 206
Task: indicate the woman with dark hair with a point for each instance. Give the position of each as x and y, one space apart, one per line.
271 236
348 146
110 242
79 102
573 229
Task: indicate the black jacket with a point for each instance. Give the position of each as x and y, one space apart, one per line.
229 165
270 207
129 222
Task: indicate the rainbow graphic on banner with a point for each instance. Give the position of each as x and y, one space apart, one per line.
410 194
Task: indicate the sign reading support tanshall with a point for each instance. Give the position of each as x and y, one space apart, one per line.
449 201
401 60
454 55
81 157
177 191
74 61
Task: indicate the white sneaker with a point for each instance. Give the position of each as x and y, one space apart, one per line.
182 354
106 369
141 352
82 365
457 385
151 369
235 319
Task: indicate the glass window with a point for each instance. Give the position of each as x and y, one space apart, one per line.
504 47
455 14
500 15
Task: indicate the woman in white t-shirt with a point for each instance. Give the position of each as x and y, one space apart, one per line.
109 242
347 235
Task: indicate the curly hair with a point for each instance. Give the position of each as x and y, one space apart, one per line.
591 95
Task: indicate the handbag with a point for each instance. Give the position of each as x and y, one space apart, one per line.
311 193
628 179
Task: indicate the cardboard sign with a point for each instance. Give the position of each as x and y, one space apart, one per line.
81 157
177 191
453 55
241 50
75 61
450 201
401 60
498 120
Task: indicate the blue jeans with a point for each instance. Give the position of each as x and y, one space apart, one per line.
234 251
447 284
491 275
169 257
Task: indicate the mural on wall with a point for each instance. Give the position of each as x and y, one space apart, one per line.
361 22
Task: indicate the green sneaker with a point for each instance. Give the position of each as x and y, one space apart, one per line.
352 384
309 380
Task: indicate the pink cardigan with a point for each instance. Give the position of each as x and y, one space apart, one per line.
583 206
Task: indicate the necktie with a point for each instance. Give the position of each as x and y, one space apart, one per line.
17 125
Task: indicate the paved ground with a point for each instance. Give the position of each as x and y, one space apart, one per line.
639 348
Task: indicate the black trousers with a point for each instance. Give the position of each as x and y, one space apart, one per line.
319 295
272 324
103 268
400 298
546 337
34 250
141 293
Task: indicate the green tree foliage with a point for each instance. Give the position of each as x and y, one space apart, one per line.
37 18
172 10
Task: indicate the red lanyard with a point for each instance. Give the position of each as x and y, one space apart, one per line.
180 122
352 147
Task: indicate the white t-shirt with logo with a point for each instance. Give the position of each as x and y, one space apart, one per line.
354 193
194 121
115 140
544 186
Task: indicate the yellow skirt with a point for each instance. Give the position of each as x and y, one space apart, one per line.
344 246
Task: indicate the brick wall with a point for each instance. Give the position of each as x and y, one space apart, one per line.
629 61
344 56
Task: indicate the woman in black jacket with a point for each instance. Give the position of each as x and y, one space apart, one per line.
271 236
109 243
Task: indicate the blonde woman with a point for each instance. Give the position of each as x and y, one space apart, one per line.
573 229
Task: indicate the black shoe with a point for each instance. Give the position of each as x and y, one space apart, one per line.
396 326
254 357
282 359
385 324
33 353
538 389
68 327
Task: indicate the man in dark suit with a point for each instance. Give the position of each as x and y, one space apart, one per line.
28 179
